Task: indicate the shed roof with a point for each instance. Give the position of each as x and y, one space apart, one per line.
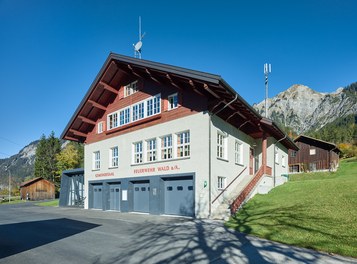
225 101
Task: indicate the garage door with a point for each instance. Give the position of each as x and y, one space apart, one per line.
179 196
141 196
114 197
97 196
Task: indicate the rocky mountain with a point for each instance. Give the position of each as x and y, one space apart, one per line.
303 109
20 165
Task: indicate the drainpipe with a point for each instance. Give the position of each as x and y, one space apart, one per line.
275 156
210 154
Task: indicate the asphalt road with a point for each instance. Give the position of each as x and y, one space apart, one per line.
32 234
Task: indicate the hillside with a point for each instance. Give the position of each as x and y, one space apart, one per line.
303 109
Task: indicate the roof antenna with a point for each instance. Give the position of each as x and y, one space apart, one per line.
139 44
267 70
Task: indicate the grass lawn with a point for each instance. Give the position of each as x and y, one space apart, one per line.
49 203
315 210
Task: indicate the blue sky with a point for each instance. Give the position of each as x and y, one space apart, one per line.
51 51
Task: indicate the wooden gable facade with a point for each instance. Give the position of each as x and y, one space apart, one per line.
313 155
37 189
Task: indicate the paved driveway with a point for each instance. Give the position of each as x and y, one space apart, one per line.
32 234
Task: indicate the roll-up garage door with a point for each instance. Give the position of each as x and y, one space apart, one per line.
141 196
179 196
114 197
97 196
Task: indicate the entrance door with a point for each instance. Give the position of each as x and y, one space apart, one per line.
251 161
179 196
114 198
97 197
141 196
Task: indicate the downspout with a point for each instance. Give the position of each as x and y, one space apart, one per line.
285 136
210 154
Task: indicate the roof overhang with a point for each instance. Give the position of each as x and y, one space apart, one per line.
317 142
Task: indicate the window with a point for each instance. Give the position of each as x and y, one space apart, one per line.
131 88
138 111
183 144
221 148
138 152
153 105
166 147
173 101
100 127
221 182
312 151
113 120
293 153
151 149
238 151
96 160
276 157
124 116
114 157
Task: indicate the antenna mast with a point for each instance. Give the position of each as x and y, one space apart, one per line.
139 44
267 70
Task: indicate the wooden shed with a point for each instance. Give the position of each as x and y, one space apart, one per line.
313 155
37 189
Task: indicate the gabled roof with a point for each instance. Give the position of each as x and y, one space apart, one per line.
318 143
29 182
117 70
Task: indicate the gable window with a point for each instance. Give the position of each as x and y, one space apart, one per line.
293 153
221 183
96 160
124 116
100 128
313 151
173 101
183 144
138 111
113 120
131 88
153 105
138 152
238 152
221 145
114 159
151 149
166 147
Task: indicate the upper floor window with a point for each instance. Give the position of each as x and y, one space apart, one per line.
151 150
293 153
313 151
138 152
114 157
100 127
238 151
96 160
131 88
221 145
113 120
283 161
183 144
166 147
173 101
125 116
153 105
138 111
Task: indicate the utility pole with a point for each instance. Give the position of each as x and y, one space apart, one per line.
267 70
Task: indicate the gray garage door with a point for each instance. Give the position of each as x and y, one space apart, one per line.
114 197
141 196
179 196
97 196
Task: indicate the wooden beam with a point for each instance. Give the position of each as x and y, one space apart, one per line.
210 91
132 70
108 87
172 82
99 106
78 133
194 87
152 77
72 138
87 120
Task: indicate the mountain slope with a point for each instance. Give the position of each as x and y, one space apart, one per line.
304 109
